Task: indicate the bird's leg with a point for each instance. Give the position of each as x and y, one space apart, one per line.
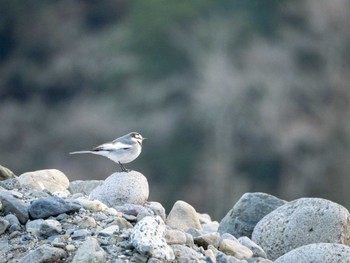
123 168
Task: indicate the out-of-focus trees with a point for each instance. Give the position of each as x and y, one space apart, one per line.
234 96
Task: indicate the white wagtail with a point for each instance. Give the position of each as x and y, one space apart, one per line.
124 149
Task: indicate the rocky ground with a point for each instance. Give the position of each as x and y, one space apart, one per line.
46 218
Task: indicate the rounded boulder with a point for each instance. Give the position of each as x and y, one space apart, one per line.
122 188
302 222
321 252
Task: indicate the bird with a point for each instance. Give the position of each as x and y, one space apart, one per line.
122 150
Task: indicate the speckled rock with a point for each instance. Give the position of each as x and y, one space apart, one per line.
321 252
247 212
183 217
51 179
301 222
122 188
148 238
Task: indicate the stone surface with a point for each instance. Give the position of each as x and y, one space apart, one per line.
186 254
10 184
49 228
43 254
147 237
321 252
257 250
122 188
84 187
90 251
173 236
33 227
6 173
51 179
301 222
234 248
11 205
207 239
4 224
247 212
51 206
183 217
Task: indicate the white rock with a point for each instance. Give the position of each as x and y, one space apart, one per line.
257 250
148 238
122 188
51 179
93 206
183 216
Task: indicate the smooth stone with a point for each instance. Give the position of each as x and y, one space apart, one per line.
84 186
257 260
247 212
257 250
51 179
51 206
174 236
301 222
4 225
234 248
319 252
44 253
90 251
147 238
183 217
11 205
6 173
122 188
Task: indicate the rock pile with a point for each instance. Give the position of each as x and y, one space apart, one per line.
46 218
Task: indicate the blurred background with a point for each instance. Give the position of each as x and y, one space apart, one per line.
234 95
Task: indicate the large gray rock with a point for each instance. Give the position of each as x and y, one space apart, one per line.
183 217
148 238
301 222
12 205
51 206
321 252
122 188
247 212
51 179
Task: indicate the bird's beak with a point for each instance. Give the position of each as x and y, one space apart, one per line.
143 138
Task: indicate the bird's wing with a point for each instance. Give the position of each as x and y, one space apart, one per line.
112 146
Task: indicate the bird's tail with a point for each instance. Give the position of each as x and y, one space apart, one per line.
80 152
